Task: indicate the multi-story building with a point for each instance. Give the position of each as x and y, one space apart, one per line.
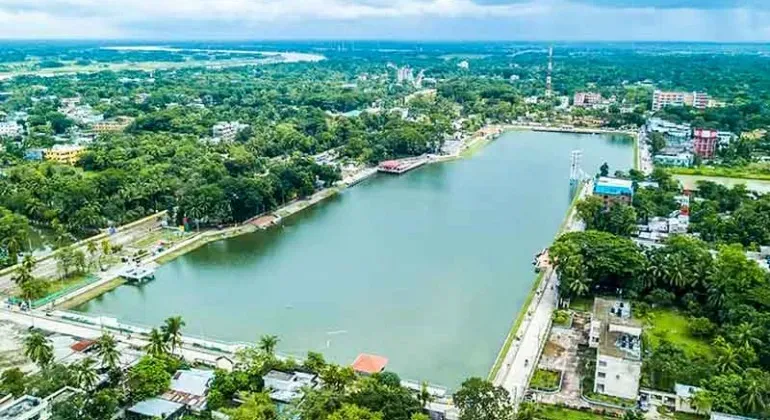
616 336
587 98
64 153
662 99
704 142
614 190
676 134
226 131
10 129
680 159
112 125
26 407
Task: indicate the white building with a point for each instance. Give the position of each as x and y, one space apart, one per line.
684 394
190 388
226 131
287 387
26 407
616 336
662 99
10 129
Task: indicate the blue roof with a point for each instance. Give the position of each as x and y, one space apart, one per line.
613 186
156 407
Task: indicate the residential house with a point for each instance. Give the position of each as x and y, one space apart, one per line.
684 159
684 394
155 408
10 129
226 131
286 387
368 364
616 336
112 125
190 388
614 190
26 407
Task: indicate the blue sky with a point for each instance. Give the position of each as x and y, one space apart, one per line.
642 20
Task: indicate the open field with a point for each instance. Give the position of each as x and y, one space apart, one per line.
753 171
672 326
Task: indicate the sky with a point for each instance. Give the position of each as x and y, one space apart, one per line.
541 20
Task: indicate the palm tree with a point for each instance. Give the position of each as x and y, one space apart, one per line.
172 331
107 350
425 397
675 272
85 373
716 297
753 397
157 344
745 334
268 343
24 272
38 349
528 411
92 250
727 361
701 401
106 247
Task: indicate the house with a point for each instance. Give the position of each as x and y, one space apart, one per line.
26 407
64 153
112 125
225 363
34 154
155 408
285 387
684 394
683 160
226 131
368 364
614 190
190 388
616 336
10 129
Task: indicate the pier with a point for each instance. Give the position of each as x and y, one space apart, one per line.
401 166
138 274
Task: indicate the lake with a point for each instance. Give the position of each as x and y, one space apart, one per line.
428 269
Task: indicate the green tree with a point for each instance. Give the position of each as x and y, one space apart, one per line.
702 401
157 345
107 350
268 343
425 397
38 349
604 170
478 399
528 411
172 332
85 373
314 362
12 381
256 406
354 412
147 378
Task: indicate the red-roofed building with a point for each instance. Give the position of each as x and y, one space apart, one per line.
82 345
704 143
369 364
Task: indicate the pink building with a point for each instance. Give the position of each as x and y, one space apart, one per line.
704 143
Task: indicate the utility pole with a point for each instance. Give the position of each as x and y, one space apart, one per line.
548 87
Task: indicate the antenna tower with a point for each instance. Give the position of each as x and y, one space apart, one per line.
548 91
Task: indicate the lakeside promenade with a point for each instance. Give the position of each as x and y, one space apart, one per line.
520 360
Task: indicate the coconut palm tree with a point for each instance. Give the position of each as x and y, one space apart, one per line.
676 272
107 350
38 349
727 361
268 343
701 401
753 400
92 250
172 331
24 272
425 397
85 373
745 334
157 344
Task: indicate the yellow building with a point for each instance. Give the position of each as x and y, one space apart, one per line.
113 125
64 153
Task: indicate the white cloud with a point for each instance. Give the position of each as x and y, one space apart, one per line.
404 19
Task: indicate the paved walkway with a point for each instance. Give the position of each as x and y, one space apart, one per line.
520 360
566 360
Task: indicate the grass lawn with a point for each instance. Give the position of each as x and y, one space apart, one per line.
672 326
752 171
582 304
546 380
552 412
609 399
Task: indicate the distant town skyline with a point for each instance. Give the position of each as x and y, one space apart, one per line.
569 20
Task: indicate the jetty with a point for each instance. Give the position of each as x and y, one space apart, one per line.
400 166
138 274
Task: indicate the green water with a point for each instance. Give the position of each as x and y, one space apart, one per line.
428 269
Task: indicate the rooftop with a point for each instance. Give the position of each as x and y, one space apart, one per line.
620 333
193 381
288 386
155 407
685 391
369 363
22 407
613 186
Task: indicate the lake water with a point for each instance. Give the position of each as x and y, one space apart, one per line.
428 269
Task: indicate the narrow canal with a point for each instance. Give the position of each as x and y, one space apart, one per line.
428 269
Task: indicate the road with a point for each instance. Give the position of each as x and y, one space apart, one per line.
521 359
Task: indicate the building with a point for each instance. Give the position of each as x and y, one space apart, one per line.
675 134
614 190
226 131
683 159
82 114
616 336
155 408
725 137
369 364
704 142
587 99
34 154
662 99
285 387
684 395
112 125
190 388
723 416
64 153
26 407
10 129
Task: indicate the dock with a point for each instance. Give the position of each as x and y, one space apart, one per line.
138 274
401 166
